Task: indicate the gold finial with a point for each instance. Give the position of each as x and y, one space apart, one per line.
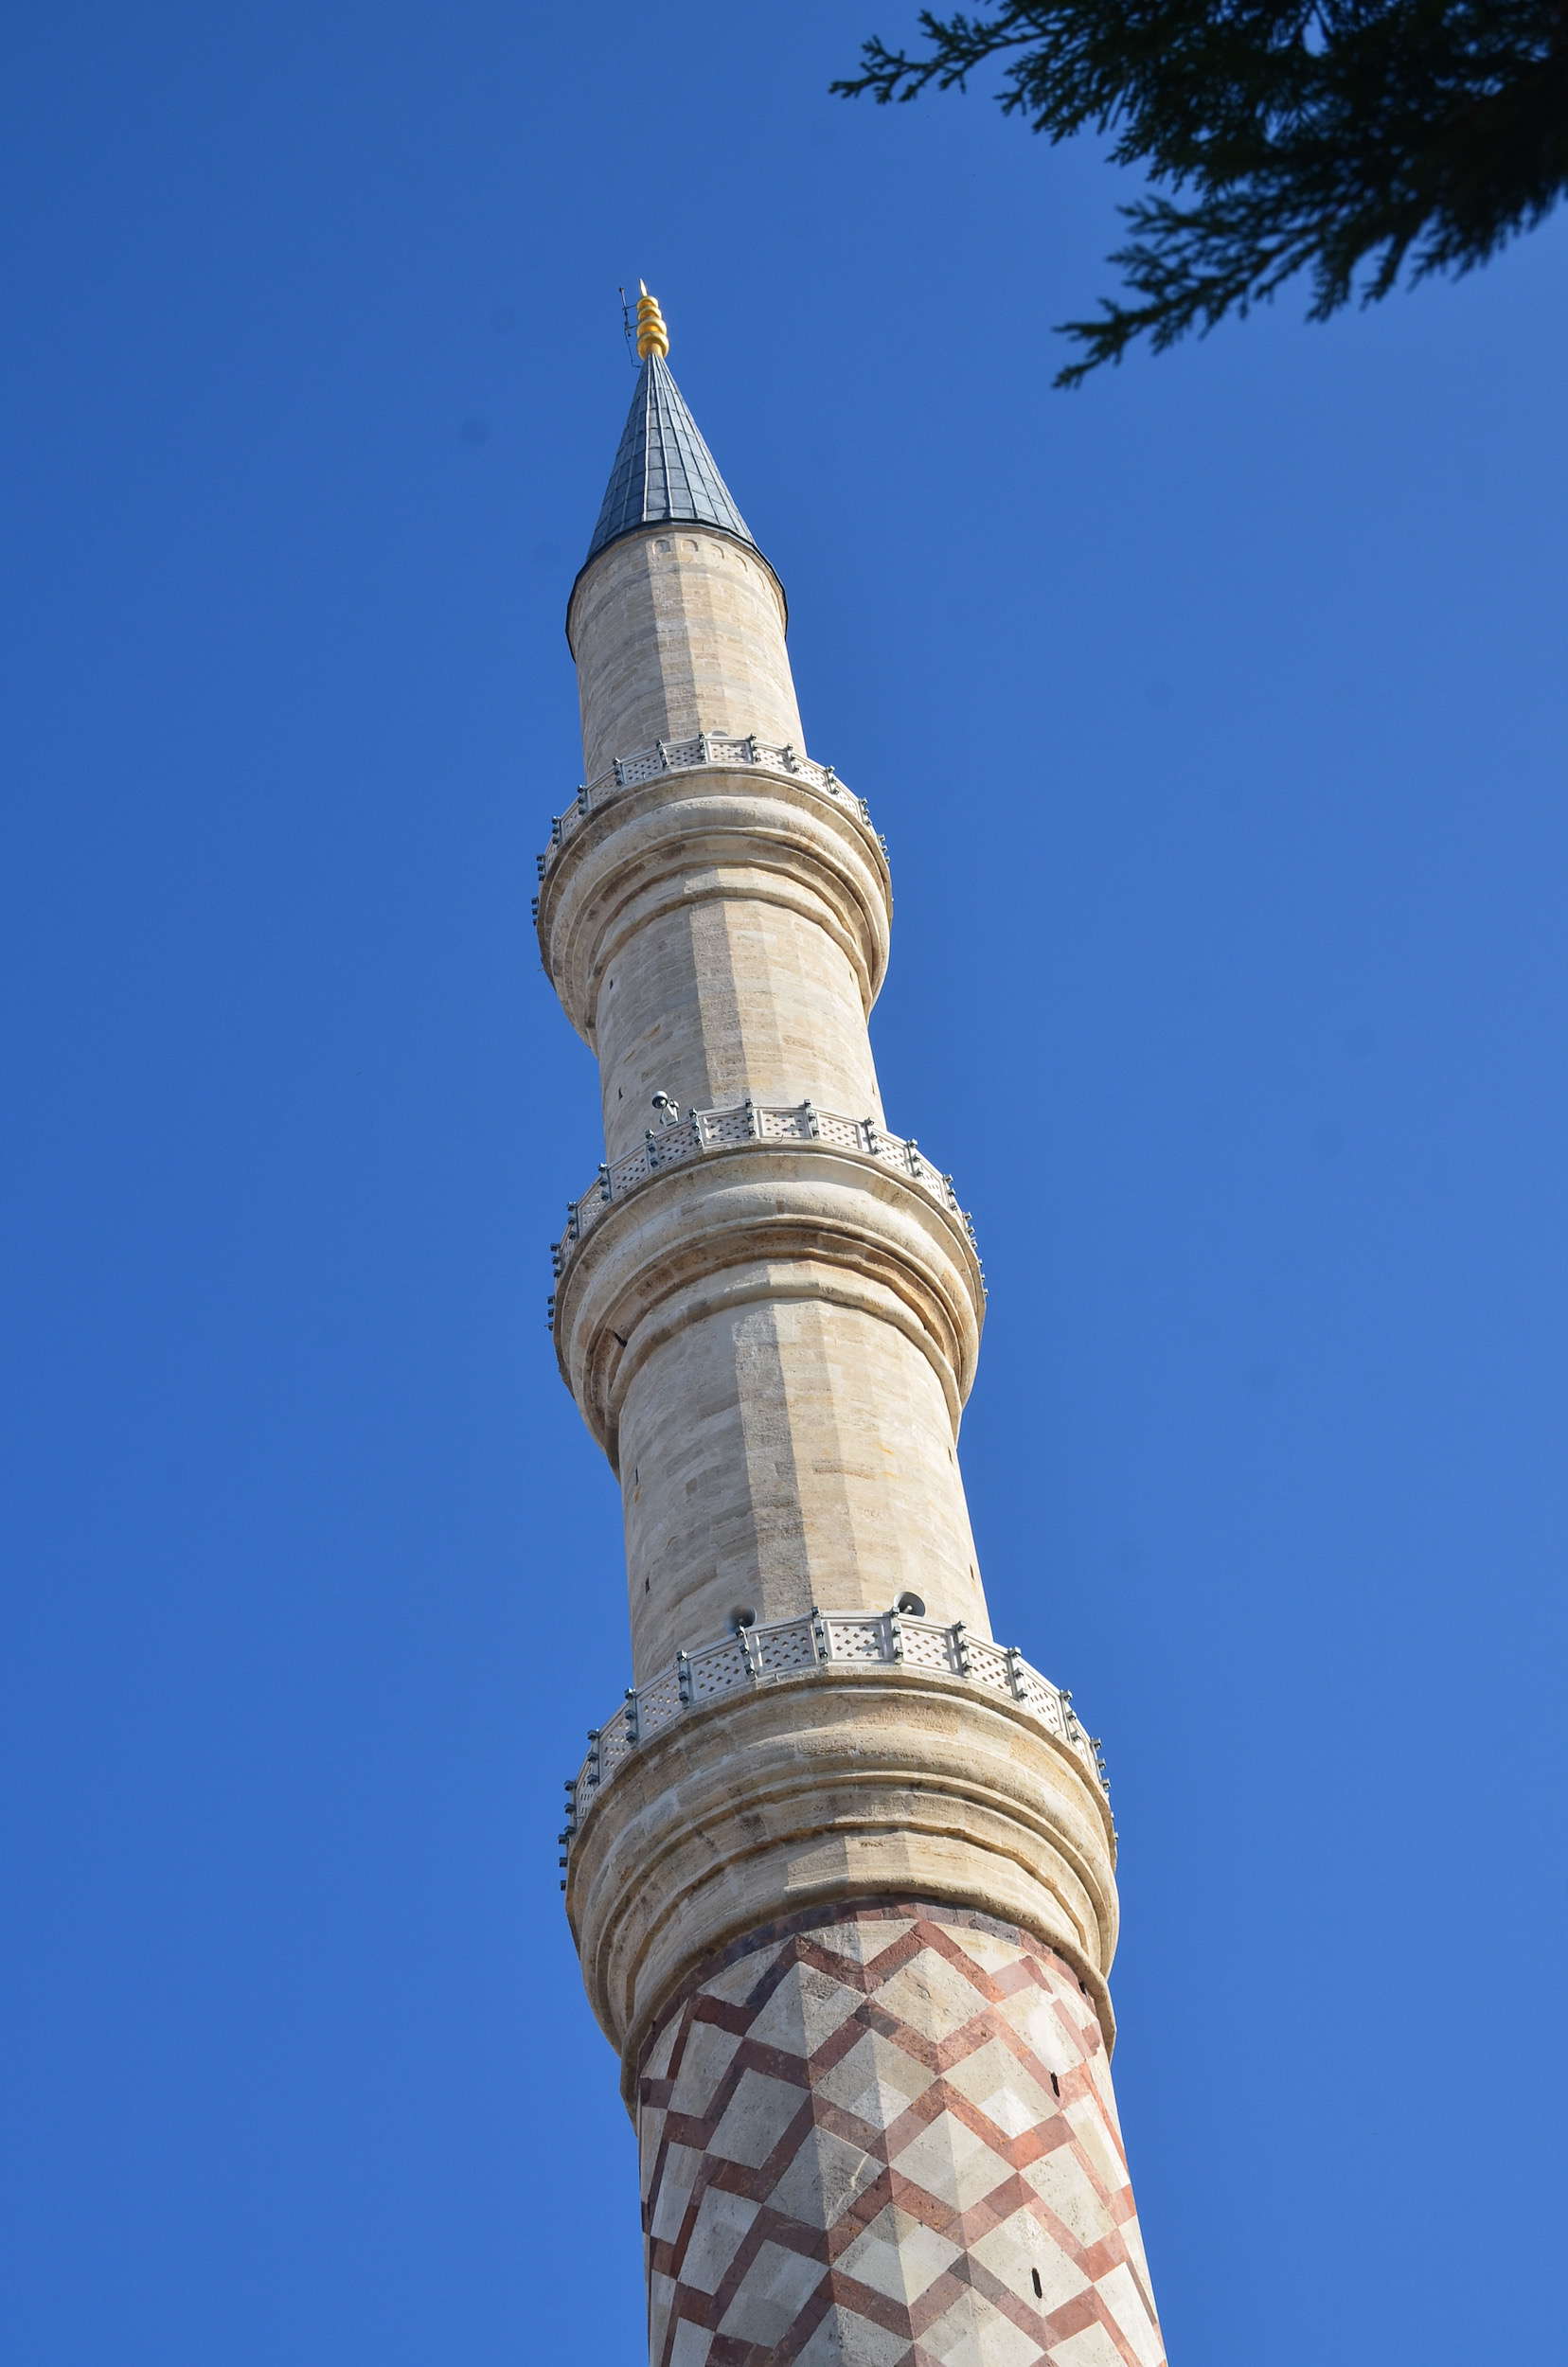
652 336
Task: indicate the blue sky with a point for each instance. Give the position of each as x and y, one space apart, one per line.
1216 718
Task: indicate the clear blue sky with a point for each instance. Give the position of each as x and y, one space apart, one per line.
1216 718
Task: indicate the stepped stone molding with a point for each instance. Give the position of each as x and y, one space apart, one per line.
738 1124
719 831
681 756
845 1642
764 1221
884 2135
876 1782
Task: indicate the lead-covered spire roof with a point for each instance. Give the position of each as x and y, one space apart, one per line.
664 470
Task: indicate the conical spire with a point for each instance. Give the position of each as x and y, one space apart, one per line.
662 470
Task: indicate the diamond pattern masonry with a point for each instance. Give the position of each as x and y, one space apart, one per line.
884 2136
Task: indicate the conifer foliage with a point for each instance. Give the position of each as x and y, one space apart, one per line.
1360 141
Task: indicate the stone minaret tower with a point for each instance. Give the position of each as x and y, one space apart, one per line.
839 1867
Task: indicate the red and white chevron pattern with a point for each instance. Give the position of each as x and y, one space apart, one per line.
884 2136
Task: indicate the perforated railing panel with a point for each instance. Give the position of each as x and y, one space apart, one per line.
701 1131
685 756
926 1647
786 1647
727 1125
828 1644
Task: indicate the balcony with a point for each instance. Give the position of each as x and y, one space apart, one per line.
681 756
735 1128
835 1646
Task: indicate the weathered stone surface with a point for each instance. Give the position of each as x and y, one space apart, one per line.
837 1784
717 932
785 1451
861 1221
679 630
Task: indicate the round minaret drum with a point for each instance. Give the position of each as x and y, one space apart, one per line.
840 1866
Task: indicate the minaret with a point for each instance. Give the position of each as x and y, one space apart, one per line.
840 1866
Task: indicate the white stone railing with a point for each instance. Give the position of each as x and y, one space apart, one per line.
731 1129
680 756
822 1640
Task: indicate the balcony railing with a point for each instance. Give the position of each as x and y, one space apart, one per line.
836 1642
680 756
731 1129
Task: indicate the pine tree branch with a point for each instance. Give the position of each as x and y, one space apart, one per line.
1367 143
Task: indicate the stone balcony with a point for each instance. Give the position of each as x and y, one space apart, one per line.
824 1645
681 756
741 1125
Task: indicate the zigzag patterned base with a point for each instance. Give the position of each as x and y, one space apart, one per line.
884 2135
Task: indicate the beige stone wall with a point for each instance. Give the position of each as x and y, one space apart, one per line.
677 631
843 1783
718 920
785 1453
773 1342
762 1224
729 995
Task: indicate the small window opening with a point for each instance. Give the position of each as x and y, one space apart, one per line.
1040 2290
1056 2085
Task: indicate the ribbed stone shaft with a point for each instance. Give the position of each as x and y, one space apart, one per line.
784 1425
847 1919
679 630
